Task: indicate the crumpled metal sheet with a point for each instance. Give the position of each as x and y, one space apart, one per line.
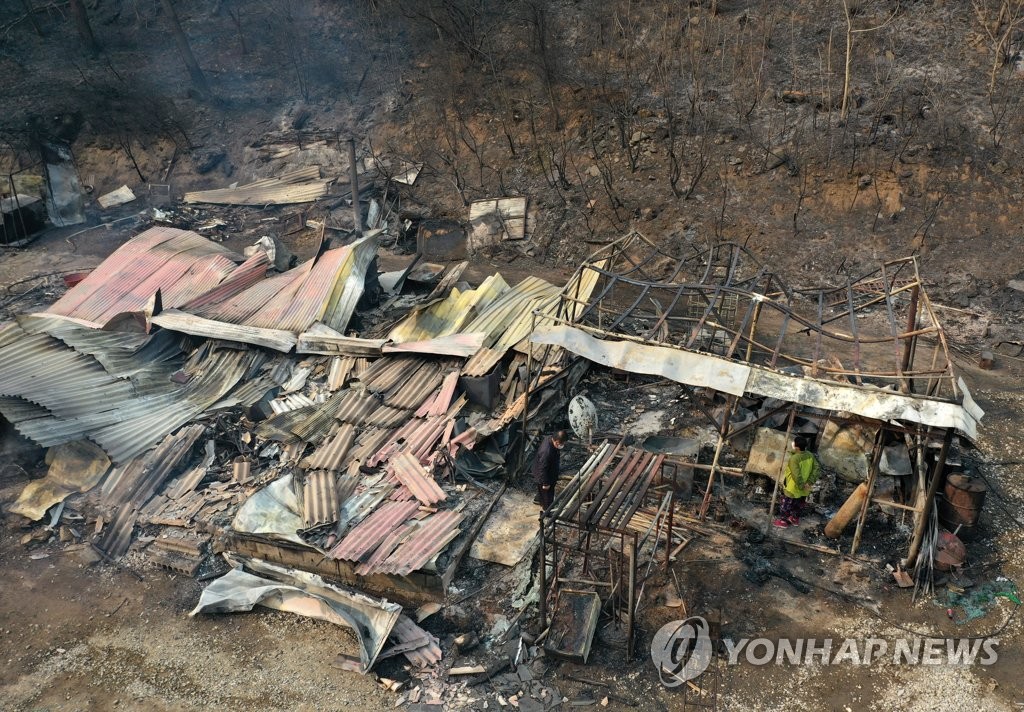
735 378
273 512
305 594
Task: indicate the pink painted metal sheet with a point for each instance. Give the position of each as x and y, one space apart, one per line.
369 533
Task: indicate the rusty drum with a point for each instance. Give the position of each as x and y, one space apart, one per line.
961 502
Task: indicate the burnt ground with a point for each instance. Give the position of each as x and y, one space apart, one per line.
80 634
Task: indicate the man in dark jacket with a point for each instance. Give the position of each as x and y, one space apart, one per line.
546 467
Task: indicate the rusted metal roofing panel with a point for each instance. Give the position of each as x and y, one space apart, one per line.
319 498
135 278
370 441
299 186
244 276
194 282
392 444
131 264
339 373
407 632
483 362
386 548
371 531
424 438
432 535
385 373
409 472
330 455
411 394
356 408
298 310
242 305
444 398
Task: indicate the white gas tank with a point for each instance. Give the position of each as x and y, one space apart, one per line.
582 417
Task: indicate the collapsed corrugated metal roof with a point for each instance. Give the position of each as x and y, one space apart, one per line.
117 391
275 311
204 292
182 265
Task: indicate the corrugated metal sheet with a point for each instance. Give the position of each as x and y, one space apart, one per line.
299 186
438 404
341 369
369 442
409 472
369 533
319 498
179 263
411 394
386 548
407 632
448 316
355 407
357 507
432 535
78 399
324 289
244 276
483 362
507 320
330 455
386 373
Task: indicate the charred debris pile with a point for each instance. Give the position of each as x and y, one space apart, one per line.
219 414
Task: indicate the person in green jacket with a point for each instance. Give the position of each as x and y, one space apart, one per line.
800 473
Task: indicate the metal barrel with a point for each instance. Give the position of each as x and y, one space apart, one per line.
962 500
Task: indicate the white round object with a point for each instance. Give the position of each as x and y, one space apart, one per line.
582 416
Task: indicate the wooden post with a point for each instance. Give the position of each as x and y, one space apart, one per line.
668 532
543 576
782 471
876 456
198 78
353 178
723 431
526 393
753 326
908 348
926 507
631 593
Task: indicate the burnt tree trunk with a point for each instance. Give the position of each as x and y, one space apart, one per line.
81 19
198 78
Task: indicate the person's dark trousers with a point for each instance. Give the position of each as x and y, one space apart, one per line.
545 496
